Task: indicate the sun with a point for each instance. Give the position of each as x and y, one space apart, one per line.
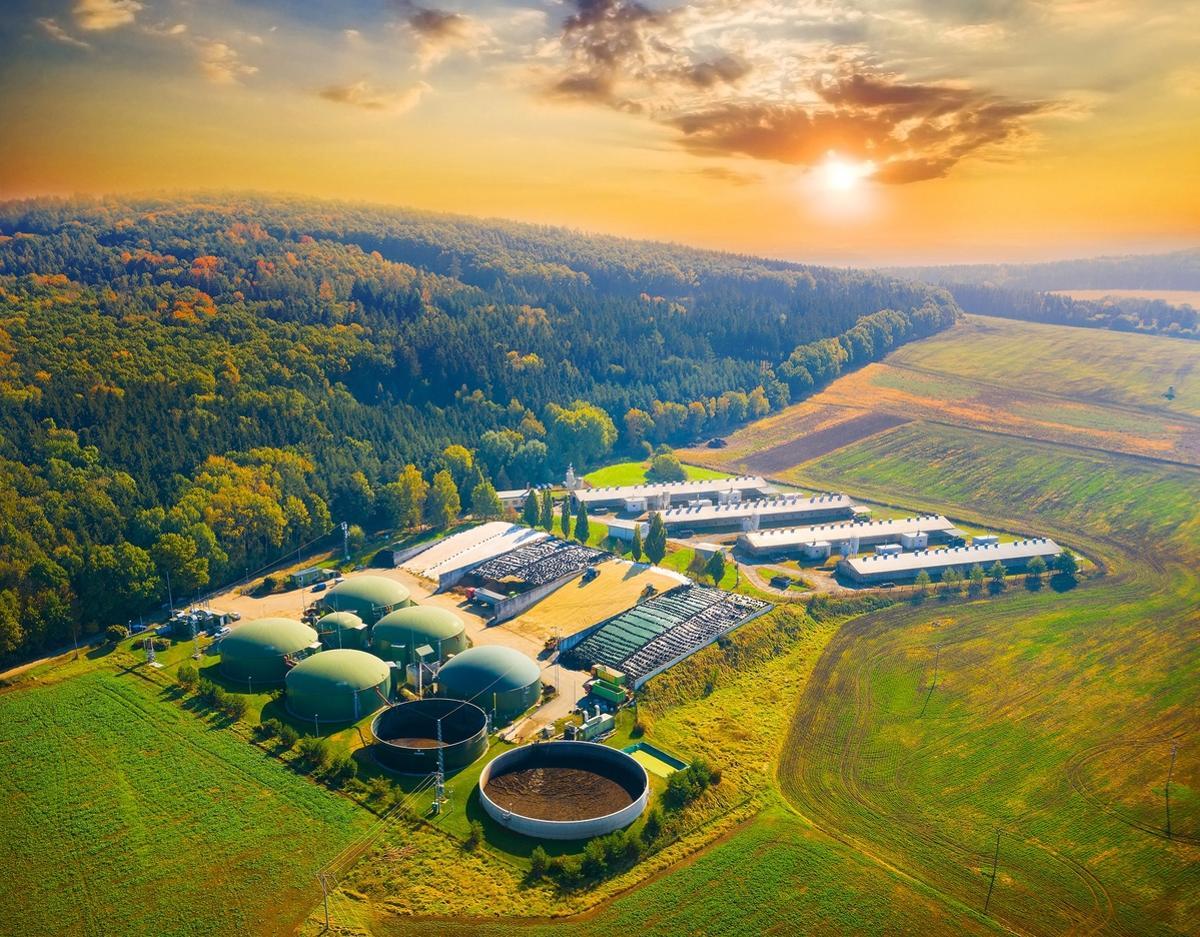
841 175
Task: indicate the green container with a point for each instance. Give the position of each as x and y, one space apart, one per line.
368 597
397 635
255 653
337 686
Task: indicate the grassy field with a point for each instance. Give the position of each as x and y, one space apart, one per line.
1085 693
1080 387
124 814
634 473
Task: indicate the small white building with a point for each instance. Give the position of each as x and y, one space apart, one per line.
985 540
621 529
817 550
889 549
916 540
706 550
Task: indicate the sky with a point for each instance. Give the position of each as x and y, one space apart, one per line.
865 132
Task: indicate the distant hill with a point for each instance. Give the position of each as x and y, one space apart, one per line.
191 385
1025 291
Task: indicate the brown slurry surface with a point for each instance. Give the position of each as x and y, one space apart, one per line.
814 445
558 793
416 743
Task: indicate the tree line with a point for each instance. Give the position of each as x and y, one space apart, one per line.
191 387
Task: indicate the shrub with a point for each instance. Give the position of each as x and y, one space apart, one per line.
378 790
314 752
234 706
342 770
187 675
654 826
116 633
685 786
539 863
207 691
474 835
288 737
1067 564
268 729
594 861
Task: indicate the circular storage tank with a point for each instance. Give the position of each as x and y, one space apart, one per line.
497 679
255 653
342 629
368 597
337 686
398 634
406 736
564 790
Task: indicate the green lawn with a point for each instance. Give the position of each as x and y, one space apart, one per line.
125 814
634 473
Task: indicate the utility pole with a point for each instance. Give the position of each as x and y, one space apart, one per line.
439 790
1167 789
992 883
324 896
195 640
345 541
170 598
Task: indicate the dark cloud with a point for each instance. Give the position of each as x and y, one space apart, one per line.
435 25
610 33
726 69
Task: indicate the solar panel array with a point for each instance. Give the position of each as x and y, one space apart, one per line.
665 629
538 563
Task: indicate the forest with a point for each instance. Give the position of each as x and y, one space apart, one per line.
192 386
1025 291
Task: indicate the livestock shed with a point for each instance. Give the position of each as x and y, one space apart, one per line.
768 512
342 629
368 597
907 566
661 495
415 737
498 679
854 533
337 686
564 790
535 564
257 653
654 635
398 634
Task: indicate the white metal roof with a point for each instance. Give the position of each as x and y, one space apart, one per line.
696 488
843 530
955 556
471 546
768 508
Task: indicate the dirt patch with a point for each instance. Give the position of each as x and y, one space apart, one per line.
554 793
814 445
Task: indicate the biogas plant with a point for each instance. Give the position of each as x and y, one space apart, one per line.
515 728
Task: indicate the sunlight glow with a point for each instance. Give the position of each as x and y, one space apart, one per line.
839 175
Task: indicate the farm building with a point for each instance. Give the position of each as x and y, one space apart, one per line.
769 512
906 566
257 653
338 686
398 634
661 495
368 597
498 679
513 497
515 581
621 529
650 637
849 534
342 629
446 561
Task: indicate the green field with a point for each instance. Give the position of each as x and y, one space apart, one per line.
125 814
634 473
1092 364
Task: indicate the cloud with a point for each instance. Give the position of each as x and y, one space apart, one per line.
437 33
166 30
96 15
730 176
777 82
364 95
221 64
51 28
